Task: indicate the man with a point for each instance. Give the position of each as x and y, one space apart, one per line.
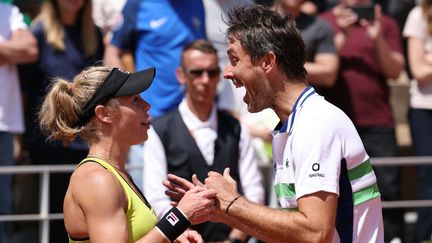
197 138
323 177
17 45
370 50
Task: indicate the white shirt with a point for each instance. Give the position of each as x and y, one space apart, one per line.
11 109
204 133
416 27
308 152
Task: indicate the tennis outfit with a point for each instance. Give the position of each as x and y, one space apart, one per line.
139 214
318 149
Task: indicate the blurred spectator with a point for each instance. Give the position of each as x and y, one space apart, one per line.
418 30
17 45
322 62
370 53
68 42
215 13
197 138
155 31
229 98
107 16
313 7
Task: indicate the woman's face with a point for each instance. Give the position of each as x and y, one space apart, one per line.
132 120
72 6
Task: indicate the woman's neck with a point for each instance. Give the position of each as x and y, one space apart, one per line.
110 153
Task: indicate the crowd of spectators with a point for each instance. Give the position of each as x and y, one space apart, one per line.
351 59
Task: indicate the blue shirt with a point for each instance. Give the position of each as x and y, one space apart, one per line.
156 31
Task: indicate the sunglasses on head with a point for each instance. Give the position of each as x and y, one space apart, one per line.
212 72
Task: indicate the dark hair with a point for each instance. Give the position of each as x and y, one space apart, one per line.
261 30
201 45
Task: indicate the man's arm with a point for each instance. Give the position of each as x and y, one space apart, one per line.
392 61
113 56
323 71
21 47
314 221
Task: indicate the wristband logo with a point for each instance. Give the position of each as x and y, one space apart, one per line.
172 218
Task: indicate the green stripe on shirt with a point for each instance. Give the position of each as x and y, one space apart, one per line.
359 171
285 190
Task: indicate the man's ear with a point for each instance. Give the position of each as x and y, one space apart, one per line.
268 62
103 114
181 75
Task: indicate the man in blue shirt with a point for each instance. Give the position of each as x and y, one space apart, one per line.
155 31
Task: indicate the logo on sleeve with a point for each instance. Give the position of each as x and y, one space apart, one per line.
316 168
172 218
156 23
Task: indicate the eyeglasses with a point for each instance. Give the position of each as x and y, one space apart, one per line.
212 73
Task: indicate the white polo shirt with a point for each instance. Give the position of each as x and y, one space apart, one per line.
319 149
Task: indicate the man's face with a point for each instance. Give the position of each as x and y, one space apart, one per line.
244 73
200 74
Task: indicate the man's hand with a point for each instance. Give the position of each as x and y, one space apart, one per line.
225 186
345 18
373 28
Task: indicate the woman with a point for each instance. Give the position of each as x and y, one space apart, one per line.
102 204
68 42
418 30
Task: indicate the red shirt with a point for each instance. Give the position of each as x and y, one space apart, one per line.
361 88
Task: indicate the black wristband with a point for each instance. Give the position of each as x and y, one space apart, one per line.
231 203
173 224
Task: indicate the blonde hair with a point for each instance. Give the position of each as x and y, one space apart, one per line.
55 32
64 102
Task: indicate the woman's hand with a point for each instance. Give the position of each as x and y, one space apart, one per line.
178 186
198 204
189 236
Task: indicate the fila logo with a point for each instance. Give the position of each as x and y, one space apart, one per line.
172 218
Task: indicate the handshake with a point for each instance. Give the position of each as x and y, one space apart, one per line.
200 202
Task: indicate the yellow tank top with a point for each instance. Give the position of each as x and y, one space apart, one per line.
140 216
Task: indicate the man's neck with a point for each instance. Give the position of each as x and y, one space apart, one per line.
201 111
286 98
